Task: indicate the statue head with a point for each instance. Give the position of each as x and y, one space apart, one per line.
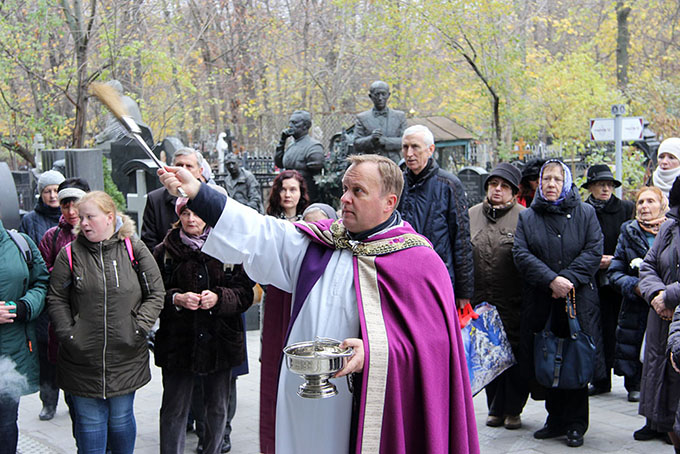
116 85
299 123
231 162
379 94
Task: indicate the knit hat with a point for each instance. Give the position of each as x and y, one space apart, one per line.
670 146
508 172
600 172
49 178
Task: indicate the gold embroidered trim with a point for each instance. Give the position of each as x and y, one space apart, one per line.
377 247
378 358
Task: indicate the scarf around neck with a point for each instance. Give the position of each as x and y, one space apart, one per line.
663 179
194 242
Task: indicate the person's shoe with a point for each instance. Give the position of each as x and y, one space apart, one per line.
594 390
574 438
548 432
512 422
199 447
646 433
226 445
633 396
47 413
494 421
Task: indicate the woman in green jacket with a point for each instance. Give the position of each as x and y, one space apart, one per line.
23 283
102 309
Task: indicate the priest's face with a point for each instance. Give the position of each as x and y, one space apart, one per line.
364 203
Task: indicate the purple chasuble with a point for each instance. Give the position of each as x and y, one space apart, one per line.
414 394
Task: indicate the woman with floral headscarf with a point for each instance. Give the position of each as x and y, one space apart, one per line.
558 246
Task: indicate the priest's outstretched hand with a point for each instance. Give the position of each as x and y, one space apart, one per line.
176 177
356 362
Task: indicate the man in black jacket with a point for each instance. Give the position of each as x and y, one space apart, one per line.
611 213
159 212
435 204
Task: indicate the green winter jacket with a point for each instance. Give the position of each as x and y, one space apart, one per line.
100 316
17 340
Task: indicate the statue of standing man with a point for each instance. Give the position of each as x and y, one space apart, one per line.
304 155
379 130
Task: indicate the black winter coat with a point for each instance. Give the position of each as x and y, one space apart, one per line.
614 213
660 385
159 215
200 341
552 241
435 204
633 315
38 221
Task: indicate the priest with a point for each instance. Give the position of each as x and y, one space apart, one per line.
371 281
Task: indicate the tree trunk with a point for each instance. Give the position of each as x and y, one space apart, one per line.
622 43
80 29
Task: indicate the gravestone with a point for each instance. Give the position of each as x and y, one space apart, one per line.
9 203
473 179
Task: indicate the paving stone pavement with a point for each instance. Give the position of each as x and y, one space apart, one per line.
612 422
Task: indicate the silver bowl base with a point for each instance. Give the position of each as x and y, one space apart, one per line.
316 387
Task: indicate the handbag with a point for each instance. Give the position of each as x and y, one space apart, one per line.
564 363
487 350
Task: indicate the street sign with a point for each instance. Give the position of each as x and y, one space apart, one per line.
602 129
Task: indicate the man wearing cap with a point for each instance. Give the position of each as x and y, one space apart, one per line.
46 213
611 213
435 204
498 282
379 130
242 185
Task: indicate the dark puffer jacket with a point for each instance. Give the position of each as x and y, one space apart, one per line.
435 204
200 341
633 315
36 223
101 317
660 385
550 241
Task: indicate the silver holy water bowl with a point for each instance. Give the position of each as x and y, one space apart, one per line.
317 361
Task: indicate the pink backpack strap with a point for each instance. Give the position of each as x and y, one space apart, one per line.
128 246
69 254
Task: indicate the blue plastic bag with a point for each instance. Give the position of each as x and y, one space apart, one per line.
487 350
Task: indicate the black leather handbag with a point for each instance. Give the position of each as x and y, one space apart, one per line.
564 363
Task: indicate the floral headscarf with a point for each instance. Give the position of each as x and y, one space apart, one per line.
566 187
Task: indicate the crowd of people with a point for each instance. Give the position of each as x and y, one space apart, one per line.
78 309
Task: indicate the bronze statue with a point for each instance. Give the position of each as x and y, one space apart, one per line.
305 154
379 130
